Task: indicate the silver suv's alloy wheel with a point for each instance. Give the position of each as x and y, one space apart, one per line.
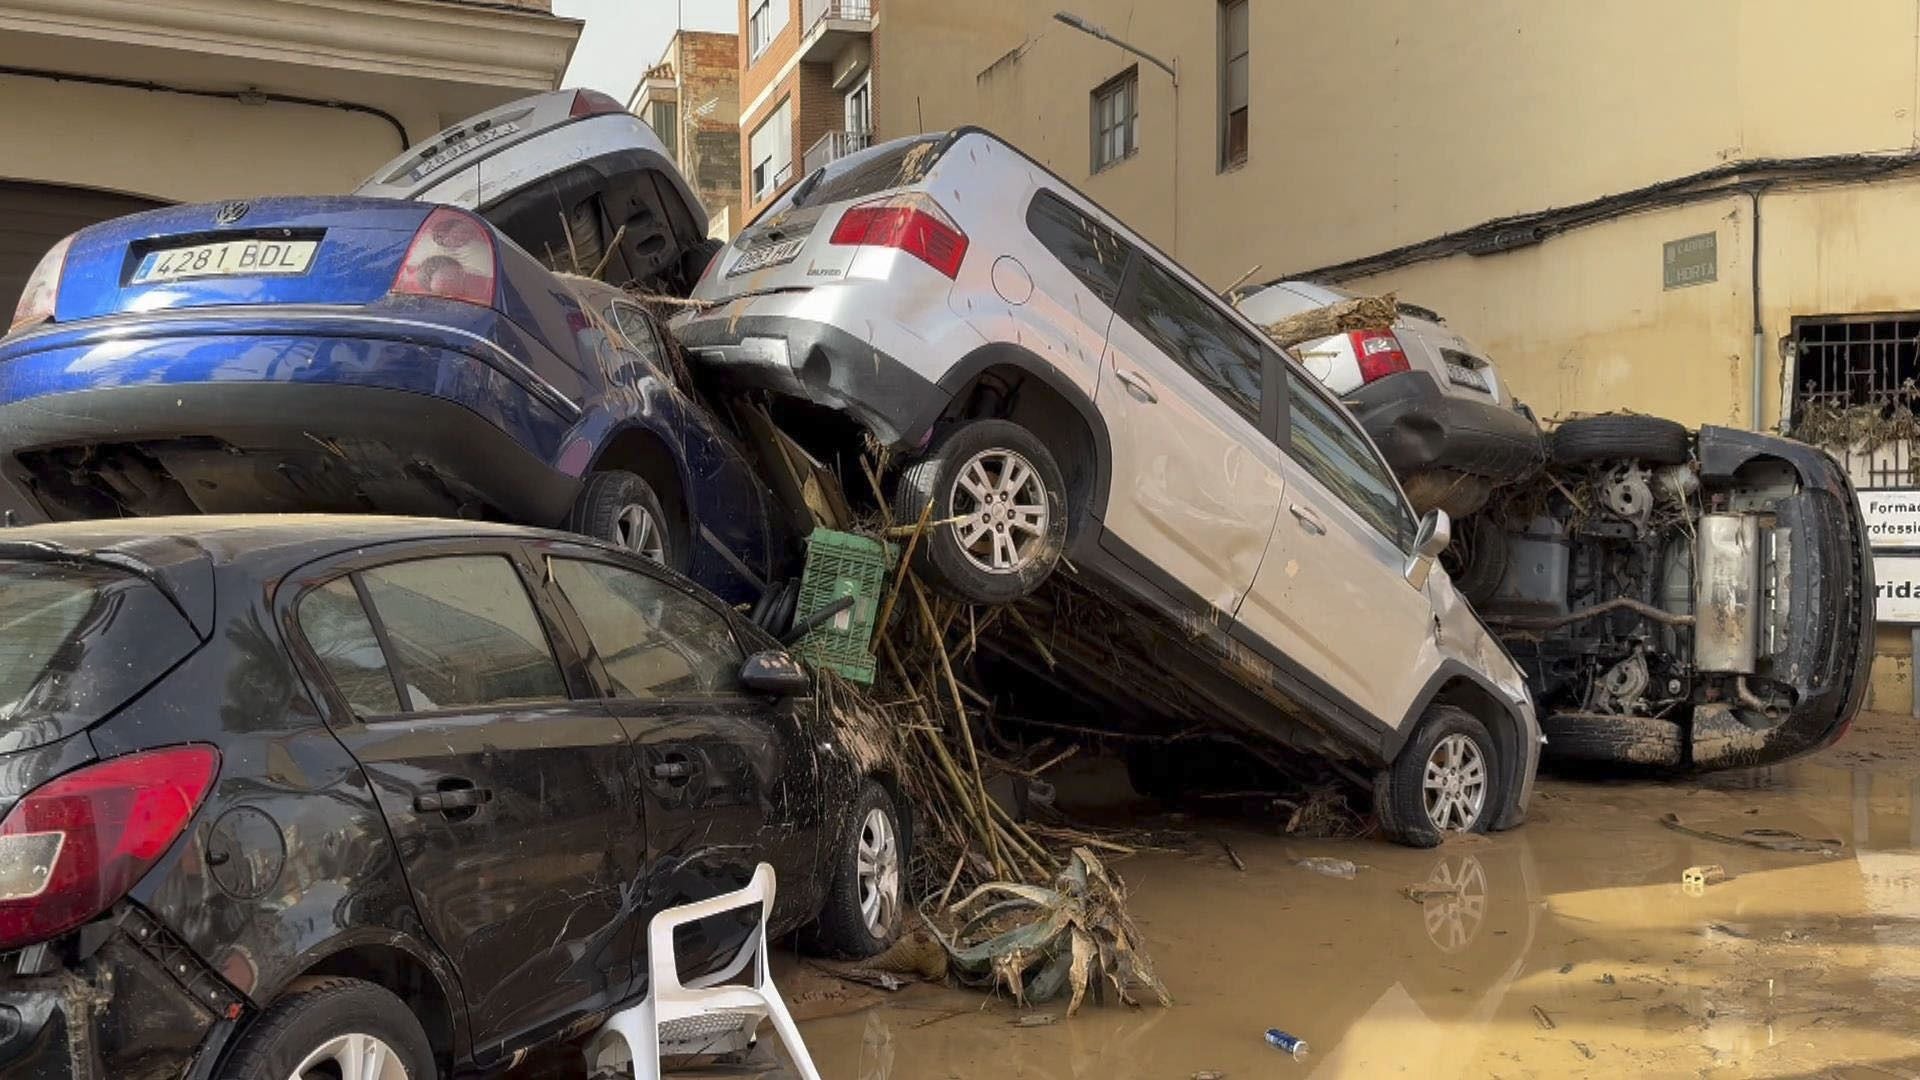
352 1057
1001 512
878 870
635 530
1455 783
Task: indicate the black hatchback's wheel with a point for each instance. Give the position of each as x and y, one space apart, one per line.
334 1029
1651 439
1002 507
866 900
1444 781
622 509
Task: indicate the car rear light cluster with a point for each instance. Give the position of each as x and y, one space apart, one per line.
72 847
451 257
1379 353
36 300
593 103
912 223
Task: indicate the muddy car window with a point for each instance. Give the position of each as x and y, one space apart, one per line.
1329 447
1090 252
464 633
341 636
653 639
638 330
900 166
1194 334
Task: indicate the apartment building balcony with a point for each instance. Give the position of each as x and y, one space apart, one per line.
833 146
829 27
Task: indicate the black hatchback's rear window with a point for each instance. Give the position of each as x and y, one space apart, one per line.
902 165
77 641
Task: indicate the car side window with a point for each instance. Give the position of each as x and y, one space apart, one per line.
463 633
1090 251
1326 443
640 333
653 640
340 634
1198 336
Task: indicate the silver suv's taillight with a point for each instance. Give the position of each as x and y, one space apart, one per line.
911 222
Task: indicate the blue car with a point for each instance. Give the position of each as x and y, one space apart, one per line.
362 355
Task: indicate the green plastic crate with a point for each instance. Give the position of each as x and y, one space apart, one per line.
842 564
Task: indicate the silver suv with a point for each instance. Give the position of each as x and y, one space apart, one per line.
1062 391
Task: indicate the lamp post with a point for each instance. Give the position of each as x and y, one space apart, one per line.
1068 18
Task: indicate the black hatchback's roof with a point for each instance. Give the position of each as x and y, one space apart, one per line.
183 552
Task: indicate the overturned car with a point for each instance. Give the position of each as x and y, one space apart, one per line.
1678 599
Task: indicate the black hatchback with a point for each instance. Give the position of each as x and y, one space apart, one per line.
289 796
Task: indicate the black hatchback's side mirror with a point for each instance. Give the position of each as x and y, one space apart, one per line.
774 672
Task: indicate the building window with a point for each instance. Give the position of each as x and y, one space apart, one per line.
764 24
770 149
1116 119
1234 44
1857 387
663 118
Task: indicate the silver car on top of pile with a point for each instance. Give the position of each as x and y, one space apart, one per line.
1061 390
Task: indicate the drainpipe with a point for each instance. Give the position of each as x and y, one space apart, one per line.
1759 332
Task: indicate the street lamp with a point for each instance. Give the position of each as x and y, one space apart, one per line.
1068 18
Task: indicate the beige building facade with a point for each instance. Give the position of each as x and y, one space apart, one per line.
108 106
1711 201
691 99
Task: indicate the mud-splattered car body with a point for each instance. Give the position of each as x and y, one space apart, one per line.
1709 605
491 862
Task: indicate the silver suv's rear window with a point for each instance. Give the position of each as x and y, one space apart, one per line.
901 164
77 641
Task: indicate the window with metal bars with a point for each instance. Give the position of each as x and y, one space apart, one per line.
1856 380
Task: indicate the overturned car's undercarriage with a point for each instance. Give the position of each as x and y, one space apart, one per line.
1677 600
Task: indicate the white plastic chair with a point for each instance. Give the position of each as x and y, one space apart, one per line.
701 1017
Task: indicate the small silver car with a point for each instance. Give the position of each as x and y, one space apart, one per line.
571 176
1063 394
1432 400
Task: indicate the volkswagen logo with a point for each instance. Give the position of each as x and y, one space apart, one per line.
230 213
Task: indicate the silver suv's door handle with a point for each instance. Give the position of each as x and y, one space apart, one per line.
1309 520
1140 386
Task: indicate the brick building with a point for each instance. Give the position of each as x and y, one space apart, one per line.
691 99
805 89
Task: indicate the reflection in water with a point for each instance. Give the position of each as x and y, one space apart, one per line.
1455 902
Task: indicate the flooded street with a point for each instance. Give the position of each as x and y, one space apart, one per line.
1567 947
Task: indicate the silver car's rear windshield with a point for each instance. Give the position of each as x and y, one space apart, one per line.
896 165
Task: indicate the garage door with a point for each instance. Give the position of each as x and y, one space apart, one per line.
33 217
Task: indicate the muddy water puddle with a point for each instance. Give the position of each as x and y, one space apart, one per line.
1568 947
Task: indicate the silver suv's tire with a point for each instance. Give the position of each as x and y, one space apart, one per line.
1001 505
1446 780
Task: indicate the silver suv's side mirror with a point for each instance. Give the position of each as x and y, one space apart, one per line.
774 672
1436 532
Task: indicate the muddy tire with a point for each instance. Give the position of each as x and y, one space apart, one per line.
1612 740
866 897
621 509
1005 484
1462 799
1649 439
320 1024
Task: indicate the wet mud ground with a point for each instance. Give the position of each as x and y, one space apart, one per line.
1569 948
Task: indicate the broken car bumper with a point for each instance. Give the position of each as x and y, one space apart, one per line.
1419 427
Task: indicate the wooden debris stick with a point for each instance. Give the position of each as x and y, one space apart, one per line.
1359 313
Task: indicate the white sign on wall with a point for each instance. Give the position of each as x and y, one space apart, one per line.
1896 582
1893 518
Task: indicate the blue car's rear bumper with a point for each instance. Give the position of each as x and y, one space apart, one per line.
337 413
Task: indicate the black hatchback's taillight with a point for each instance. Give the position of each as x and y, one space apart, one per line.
72 847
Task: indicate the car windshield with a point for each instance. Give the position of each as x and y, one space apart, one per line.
78 640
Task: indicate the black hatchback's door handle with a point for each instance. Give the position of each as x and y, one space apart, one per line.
467 798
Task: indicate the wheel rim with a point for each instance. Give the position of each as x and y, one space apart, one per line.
1001 507
636 530
1455 784
351 1057
1458 904
877 866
